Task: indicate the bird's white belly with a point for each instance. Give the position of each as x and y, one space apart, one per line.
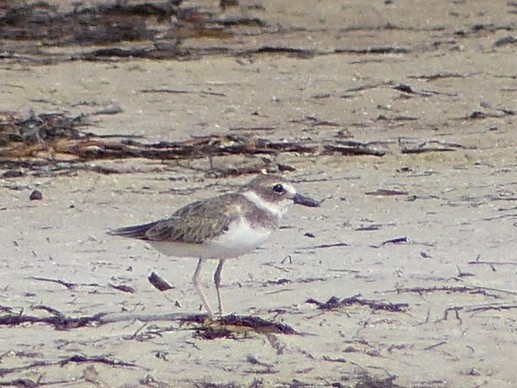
238 240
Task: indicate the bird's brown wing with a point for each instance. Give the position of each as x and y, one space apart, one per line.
197 221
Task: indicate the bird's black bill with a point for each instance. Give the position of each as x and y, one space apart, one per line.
305 201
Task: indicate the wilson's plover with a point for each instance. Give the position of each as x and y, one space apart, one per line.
222 227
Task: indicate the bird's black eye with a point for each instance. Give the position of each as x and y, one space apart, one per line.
278 188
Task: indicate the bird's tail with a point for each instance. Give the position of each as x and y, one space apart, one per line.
136 231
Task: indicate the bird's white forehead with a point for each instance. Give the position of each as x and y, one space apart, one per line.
291 191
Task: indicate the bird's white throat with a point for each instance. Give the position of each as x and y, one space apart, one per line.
278 209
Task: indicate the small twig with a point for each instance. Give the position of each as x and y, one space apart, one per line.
353 148
138 330
98 359
471 290
254 361
48 309
462 274
435 345
123 288
74 358
324 246
499 307
332 359
386 192
6 309
179 91
335 303
288 258
432 146
476 309
456 313
492 262
397 240
69 285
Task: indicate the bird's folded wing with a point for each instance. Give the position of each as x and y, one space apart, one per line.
193 224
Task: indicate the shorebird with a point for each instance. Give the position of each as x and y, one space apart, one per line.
222 227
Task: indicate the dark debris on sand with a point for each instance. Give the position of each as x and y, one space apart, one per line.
335 303
233 326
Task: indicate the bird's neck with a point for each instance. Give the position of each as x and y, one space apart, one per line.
276 209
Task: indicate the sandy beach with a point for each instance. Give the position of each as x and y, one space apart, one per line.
431 225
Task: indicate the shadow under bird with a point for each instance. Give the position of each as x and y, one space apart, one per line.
223 227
